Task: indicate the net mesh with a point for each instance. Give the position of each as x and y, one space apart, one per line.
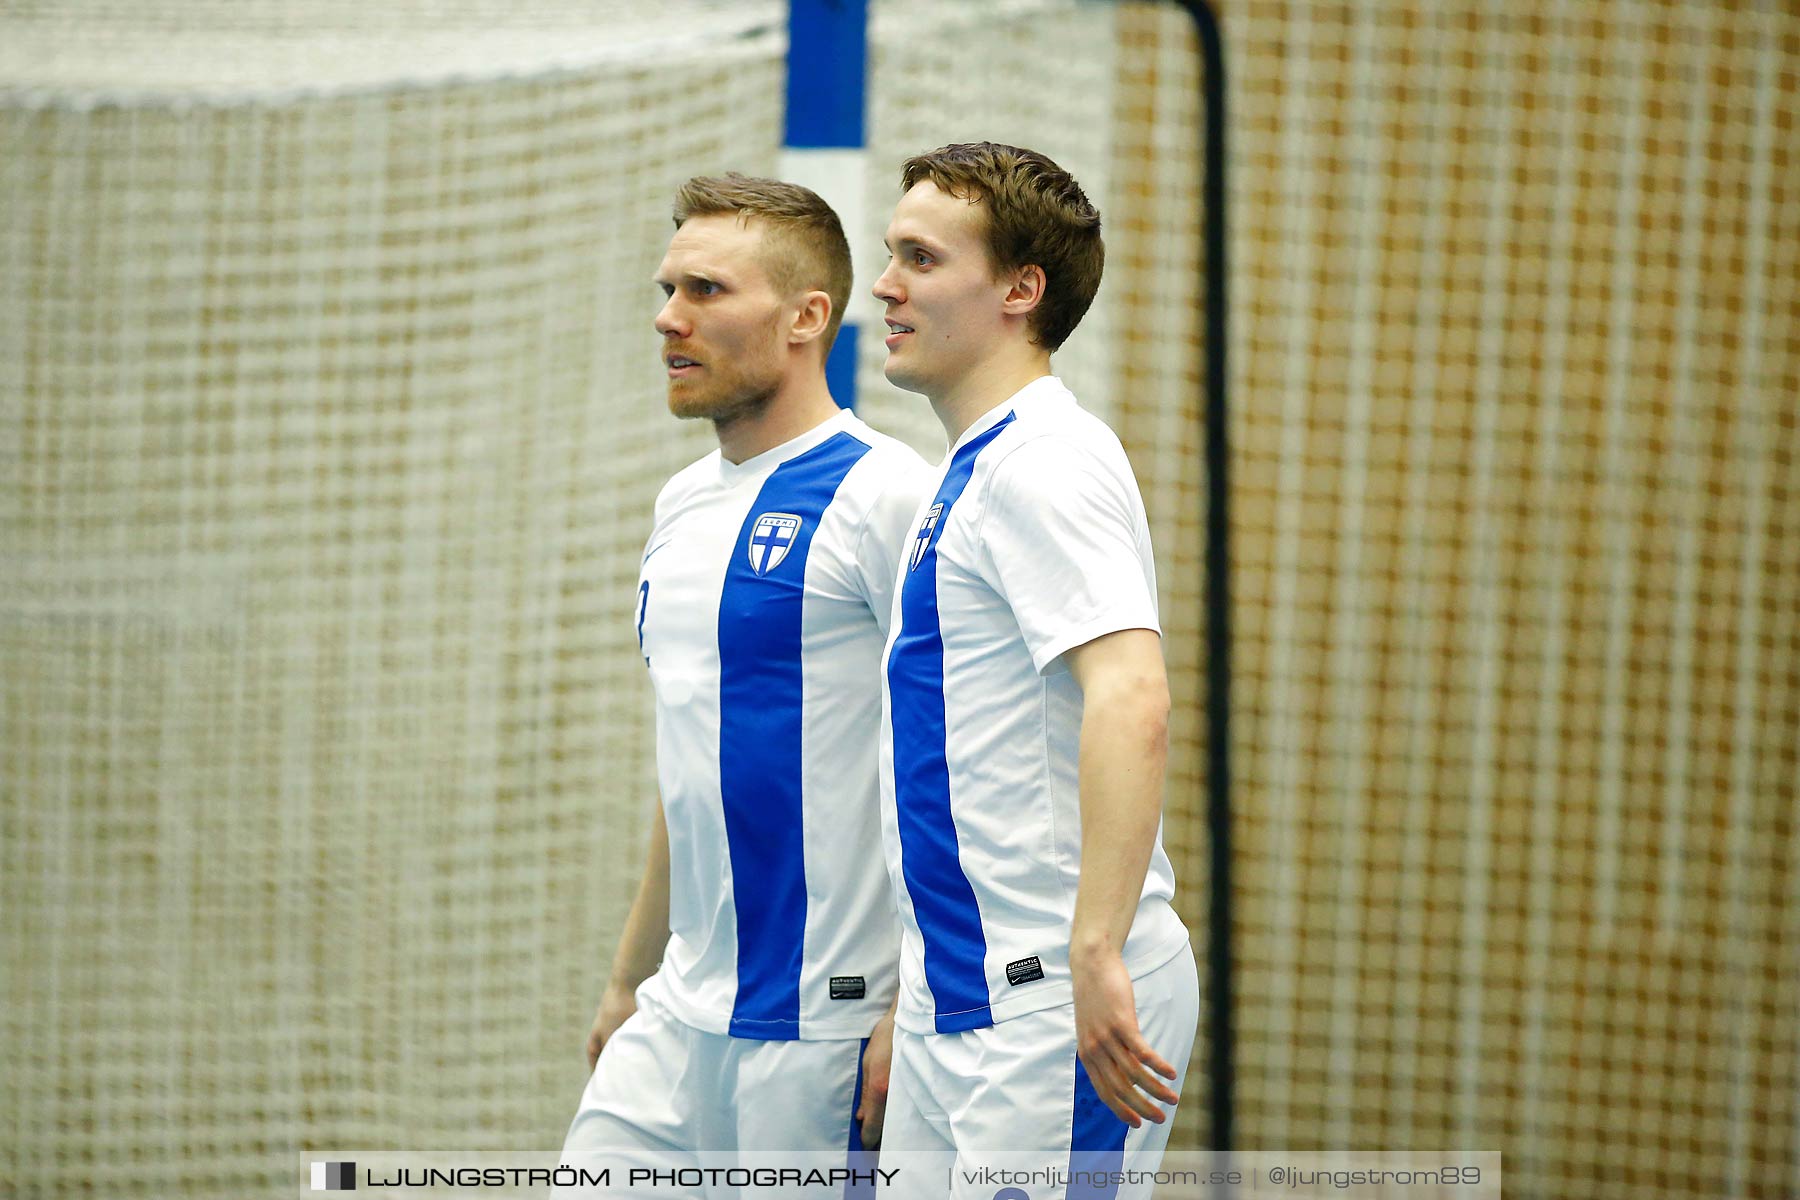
331 429
188 52
330 422
1517 570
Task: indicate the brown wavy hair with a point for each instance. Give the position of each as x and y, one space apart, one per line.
1037 214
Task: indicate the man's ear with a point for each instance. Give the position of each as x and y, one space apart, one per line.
1026 292
812 320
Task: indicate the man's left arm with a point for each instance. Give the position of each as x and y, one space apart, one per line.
1123 756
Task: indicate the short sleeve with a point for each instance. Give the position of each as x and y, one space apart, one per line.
1069 548
887 531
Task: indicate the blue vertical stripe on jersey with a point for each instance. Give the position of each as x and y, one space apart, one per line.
858 1161
943 902
1096 1143
760 714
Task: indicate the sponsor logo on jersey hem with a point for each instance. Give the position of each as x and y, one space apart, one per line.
848 987
770 540
1024 971
924 539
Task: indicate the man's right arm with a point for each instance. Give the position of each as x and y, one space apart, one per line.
640 946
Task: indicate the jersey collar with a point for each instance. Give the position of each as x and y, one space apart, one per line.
761 464
1040 390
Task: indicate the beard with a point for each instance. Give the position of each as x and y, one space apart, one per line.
731 386
727 398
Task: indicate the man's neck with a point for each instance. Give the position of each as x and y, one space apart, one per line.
988 385
788 414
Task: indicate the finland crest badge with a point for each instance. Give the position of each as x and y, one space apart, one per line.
925 530
770 540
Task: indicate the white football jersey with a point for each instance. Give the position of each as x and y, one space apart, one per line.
762 609
1034 542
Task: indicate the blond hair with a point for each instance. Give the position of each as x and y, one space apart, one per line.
805 249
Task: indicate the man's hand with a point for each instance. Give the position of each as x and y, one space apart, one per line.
640 946
1124 750
616 1004
877 1063
1119 1061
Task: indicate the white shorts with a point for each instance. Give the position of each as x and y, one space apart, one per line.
1017 1086
664 1087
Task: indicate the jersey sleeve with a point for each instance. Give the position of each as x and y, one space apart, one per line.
1068 547
887 532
